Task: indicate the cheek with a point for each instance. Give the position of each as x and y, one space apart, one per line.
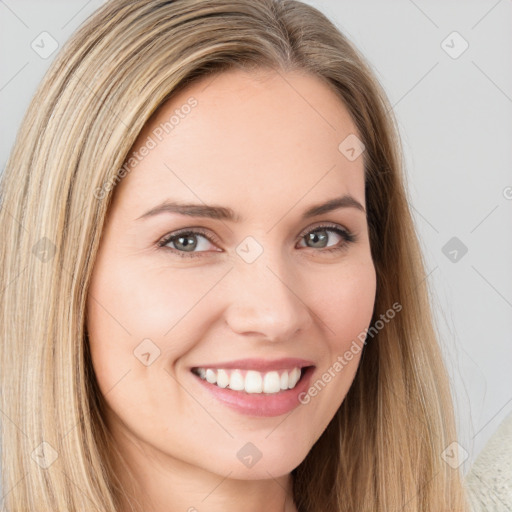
131 304
143 301
343 305
344 301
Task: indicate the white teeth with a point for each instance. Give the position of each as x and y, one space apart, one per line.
293 378
271 383
284 380
222 379
251 381
237 381
211 376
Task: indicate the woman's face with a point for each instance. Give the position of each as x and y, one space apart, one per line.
255 288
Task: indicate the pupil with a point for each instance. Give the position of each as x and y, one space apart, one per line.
187 242
316 237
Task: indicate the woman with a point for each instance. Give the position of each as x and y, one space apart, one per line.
216 298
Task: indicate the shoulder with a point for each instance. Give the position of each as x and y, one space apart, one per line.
489 481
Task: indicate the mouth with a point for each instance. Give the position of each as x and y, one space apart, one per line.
257 387
253 381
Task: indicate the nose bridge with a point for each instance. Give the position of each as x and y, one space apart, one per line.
264 299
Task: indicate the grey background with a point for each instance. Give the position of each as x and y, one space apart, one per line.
454 113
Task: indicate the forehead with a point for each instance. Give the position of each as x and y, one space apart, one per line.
240 137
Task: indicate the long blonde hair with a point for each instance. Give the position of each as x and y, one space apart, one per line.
382 451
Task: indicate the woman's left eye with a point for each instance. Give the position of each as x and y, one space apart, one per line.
187 241
319 236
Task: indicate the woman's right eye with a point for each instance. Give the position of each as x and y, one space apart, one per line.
185 243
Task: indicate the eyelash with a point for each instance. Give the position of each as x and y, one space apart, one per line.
345 234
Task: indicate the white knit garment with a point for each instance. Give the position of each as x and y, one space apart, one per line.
489 481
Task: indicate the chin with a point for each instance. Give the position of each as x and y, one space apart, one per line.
253 464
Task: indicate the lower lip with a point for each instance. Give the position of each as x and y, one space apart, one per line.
260 404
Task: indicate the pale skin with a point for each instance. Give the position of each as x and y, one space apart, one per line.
266 146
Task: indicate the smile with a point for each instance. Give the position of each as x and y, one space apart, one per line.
251 381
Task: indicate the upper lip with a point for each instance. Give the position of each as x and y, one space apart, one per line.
285 363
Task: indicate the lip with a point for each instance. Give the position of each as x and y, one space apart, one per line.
260 365
260 404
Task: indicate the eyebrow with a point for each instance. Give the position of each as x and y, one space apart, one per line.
223 213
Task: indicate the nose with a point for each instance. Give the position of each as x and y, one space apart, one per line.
264 299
